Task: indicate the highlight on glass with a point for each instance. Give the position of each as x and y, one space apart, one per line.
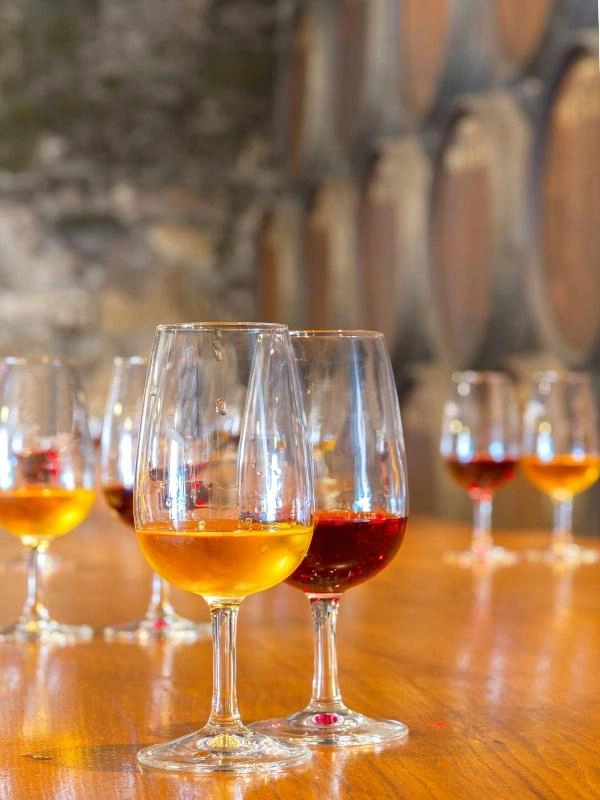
47 464
120 434
561 453
223 504
480 445
361 513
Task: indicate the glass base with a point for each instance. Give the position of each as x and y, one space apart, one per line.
342 728
569 554
170 626
491 555
47 631
240 751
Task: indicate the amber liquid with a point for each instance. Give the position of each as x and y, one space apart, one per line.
120 499
348 548
225 559
563 476
482 474
41 513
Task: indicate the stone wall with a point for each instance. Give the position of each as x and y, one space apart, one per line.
132 138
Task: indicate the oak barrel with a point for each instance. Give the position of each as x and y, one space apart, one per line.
565 279
530 36
479 247
442 47
520 28
392 243
362 41
279 285
330 256
302 103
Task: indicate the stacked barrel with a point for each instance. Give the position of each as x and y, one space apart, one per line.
439 177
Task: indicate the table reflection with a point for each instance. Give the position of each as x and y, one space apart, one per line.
157 785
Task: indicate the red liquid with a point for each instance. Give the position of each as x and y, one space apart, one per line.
120 499
348 548
482 473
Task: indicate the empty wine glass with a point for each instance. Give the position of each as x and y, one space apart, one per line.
361 512
480 445
120 434
47 465
223 510
561 452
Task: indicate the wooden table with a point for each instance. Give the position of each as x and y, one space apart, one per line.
497 674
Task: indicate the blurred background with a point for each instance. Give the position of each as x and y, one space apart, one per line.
430 168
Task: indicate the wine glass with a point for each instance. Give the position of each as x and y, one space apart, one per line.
480 444
47 464
561 452
223 509
120 433
361 512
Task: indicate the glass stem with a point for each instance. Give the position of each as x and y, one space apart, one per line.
224 714
326 694
34 609
481 541
160 599
562 535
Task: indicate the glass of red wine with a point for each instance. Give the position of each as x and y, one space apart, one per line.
480 445
361 512
120 433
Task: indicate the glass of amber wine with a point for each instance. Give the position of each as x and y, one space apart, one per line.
361 512
223 510
561 452
120 433
480 445
47 464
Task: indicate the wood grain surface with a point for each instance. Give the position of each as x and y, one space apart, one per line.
496 673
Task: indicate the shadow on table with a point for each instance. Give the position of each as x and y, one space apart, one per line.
121 758
165 732
96 758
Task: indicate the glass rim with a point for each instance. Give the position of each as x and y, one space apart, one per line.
191 327
37 361
560 376
480 376
336 333
118 361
